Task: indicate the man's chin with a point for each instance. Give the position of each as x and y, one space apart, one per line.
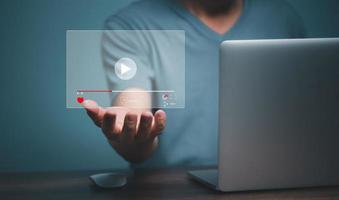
216 7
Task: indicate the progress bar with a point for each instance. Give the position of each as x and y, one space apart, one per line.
131 91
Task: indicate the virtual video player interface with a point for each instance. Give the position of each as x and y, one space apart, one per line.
103 64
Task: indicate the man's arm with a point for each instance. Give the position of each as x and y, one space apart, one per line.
129 125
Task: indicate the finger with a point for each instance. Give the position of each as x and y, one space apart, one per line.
95 112
159 123
145 126
109 127
121 113
130 128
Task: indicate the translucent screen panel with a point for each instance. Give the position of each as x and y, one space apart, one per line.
125 67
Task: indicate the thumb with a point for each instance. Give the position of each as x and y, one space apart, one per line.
94 111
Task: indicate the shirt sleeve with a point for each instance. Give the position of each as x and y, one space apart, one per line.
120 41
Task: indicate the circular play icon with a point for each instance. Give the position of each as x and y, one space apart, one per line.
125 68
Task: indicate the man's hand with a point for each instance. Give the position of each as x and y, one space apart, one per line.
131 132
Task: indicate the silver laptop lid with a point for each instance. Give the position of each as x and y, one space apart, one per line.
279 114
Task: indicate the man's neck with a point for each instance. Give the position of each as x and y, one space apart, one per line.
220 23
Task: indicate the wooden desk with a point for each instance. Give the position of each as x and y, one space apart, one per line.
149 184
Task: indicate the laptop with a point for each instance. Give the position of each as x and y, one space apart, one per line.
278 115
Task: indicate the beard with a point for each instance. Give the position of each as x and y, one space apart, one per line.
215 7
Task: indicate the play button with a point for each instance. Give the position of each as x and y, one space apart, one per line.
125 68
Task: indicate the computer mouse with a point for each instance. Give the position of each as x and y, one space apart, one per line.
109 180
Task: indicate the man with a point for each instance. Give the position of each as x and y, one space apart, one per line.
191 133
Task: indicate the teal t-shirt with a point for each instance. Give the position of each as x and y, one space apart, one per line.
191 133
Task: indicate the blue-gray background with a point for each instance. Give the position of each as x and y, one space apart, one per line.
37 132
